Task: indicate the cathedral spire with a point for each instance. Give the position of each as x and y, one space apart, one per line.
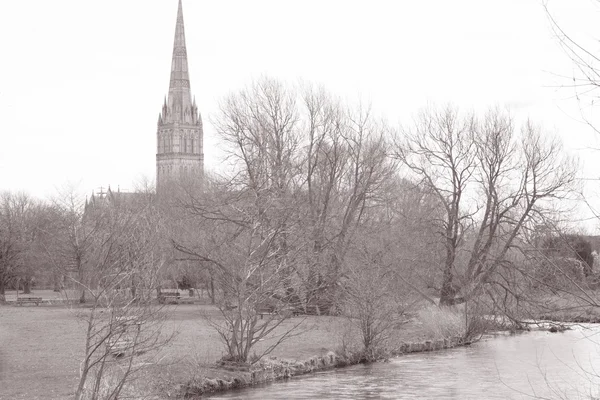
179 134
180 101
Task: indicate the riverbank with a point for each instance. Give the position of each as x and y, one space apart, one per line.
338 346
570 317
273 369
430 329
41 347
577 307
536 364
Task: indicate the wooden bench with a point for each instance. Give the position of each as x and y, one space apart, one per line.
122 338
128 320
166 296
262 311
293 311
119 347
285 312
29 300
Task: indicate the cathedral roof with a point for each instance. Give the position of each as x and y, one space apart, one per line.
110 198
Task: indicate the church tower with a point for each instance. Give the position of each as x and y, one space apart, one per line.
179 137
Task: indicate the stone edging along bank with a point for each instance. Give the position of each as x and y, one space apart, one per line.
273 369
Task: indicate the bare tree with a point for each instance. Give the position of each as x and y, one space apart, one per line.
491 184
19 219
345 167
259 125
243 251
40 230
305 152
440 151
123 321
73 245
377 295
247 218
585 80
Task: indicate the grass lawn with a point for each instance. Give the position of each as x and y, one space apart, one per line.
40 347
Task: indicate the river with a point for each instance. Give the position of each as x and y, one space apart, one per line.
535 364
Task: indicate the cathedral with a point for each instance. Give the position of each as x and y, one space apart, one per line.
179 136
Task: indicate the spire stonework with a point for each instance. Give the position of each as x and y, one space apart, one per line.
180 153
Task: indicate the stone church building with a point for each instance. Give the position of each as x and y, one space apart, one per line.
179 136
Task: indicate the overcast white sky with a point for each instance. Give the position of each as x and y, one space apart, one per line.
82 82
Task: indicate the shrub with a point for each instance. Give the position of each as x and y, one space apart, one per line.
443 322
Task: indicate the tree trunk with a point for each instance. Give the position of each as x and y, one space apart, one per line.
27 286
80 277
57 283
133 288
447 292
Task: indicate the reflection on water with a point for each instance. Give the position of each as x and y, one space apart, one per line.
525 366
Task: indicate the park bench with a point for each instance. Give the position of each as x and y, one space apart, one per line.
169 298
294 311
284 312
166 296
262 311
186 300
118 347
123 337
29 300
